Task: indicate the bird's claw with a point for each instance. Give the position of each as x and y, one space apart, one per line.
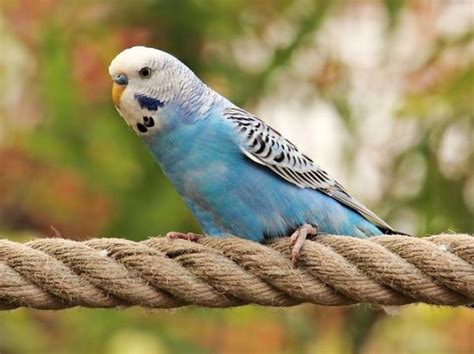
190 236
297 240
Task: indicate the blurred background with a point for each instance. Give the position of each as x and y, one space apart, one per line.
380 93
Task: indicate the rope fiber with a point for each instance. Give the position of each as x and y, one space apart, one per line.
55 273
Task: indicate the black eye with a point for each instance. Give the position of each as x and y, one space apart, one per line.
145 73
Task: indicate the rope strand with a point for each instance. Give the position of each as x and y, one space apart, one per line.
57 273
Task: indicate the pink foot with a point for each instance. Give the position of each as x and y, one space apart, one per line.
190 236
297 240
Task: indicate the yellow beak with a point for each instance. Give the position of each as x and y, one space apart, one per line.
117 91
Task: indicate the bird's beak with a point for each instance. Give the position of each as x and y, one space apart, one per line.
120 82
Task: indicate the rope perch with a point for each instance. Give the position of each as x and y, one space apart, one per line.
165 273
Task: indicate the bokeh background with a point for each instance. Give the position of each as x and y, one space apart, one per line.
380 93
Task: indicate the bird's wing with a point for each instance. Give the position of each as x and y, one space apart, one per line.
267 147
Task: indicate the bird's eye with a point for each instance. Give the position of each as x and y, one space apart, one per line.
145 73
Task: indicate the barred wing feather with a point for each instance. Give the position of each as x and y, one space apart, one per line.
267 147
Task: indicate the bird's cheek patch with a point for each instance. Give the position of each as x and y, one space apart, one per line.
117 91
149 103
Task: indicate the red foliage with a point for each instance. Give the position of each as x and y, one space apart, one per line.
36 196
90 70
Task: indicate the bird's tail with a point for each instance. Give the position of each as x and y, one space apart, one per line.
390 231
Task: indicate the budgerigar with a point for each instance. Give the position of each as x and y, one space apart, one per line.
237 175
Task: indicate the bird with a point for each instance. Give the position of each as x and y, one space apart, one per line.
237 175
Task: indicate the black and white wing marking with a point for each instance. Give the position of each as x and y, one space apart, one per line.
264 145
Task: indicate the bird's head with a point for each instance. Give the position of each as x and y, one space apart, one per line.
153 91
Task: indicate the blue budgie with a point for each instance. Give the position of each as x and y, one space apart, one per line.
237 175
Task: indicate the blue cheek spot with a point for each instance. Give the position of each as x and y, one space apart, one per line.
149 103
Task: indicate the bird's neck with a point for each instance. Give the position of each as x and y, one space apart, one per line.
197 101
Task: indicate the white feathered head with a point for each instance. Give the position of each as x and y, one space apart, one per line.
150 82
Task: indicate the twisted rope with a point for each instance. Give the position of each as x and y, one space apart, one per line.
165 273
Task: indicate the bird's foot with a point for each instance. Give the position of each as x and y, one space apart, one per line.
190 236
297 239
